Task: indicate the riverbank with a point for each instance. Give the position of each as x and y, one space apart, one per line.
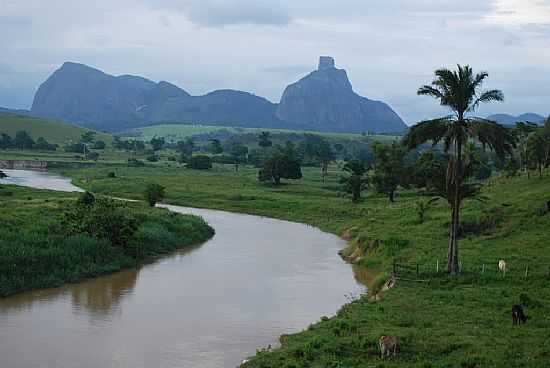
461 322
41 246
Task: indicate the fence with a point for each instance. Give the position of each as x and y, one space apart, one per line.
419 271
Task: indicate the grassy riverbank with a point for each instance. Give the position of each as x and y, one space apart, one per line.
40 246
460 322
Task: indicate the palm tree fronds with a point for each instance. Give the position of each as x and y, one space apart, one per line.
429 130
493 135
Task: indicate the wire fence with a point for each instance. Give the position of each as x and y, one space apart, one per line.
420 271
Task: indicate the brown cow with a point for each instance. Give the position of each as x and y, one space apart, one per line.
388 345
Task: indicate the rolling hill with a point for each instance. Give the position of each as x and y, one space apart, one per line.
52 131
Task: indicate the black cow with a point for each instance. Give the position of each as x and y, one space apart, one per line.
518 317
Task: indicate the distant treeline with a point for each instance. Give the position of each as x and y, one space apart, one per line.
24 141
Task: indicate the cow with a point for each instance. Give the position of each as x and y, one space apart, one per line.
387 345
518 317
502 265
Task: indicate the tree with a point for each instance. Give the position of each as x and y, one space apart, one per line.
216 146
316 150
356 181
239 154
99 145
87 137
460 91
522 131
200 162
264 140
536 151
23 140
154 193
326 156
5 141
42 144
157 143
280 166
429 171
389 169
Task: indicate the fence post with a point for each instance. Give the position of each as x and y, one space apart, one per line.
394 267
483 269
526 271
417 270
437 266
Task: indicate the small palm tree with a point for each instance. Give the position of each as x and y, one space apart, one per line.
356 181
460 91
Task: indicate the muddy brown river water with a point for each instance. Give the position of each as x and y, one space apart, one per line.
208 306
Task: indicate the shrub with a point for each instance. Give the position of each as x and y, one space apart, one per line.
200 162
111 174
103 219
153 194
152 158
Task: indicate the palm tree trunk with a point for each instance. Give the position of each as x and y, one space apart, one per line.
452 255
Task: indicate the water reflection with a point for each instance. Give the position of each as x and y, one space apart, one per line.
101 297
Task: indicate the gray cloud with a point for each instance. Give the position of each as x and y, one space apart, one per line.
389 48
214 13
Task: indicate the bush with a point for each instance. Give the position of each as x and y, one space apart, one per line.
102 219
153 194
111 174
200 162
152 158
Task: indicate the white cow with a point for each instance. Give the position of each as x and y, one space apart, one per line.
502 265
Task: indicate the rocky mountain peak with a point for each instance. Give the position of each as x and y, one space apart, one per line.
326 63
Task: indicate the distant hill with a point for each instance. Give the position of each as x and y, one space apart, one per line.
322 101
508 119
52 131
15 111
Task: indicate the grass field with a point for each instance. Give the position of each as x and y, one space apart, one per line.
461 322
176 132
53 131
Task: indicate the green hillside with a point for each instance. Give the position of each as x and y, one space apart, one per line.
52 131
176 132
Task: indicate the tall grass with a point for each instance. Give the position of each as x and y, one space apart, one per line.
37 250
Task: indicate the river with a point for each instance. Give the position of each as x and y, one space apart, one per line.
209 306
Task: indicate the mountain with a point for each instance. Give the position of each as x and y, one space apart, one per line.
92 98
322 101
508 119
325 100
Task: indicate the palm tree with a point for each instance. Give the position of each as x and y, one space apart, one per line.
356 181
460 91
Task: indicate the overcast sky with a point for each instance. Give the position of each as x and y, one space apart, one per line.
388 47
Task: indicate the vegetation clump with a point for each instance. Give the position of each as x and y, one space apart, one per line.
154 193
200 162
66 240
280 166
